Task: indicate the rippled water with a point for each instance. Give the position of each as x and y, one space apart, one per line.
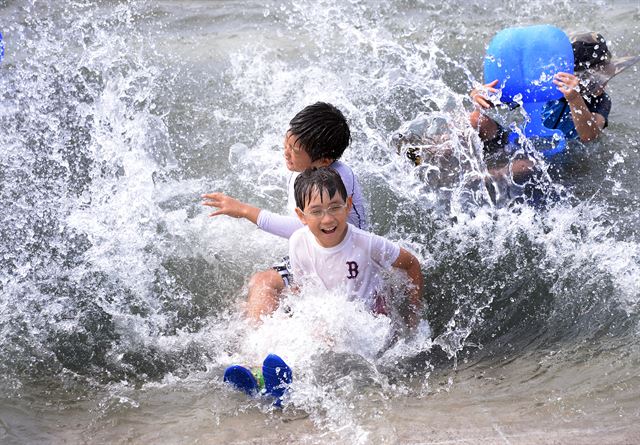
121 301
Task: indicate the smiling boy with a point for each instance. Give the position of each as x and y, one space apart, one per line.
333 253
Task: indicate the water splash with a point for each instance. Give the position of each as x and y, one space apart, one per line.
112 275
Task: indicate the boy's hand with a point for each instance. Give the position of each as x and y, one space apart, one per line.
568 84
480 94
588 124
230 206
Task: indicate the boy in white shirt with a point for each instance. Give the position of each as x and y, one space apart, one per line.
332 253
318 136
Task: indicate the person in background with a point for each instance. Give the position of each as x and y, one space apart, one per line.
583 111
581 114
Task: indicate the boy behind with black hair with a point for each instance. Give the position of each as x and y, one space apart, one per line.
332 253
318 136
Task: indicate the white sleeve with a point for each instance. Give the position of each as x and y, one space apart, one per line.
383 251
279 225
296 258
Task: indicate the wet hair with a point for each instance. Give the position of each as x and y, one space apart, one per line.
589 50
317 180
322 131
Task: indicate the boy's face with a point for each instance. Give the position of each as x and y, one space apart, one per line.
326 218
297 159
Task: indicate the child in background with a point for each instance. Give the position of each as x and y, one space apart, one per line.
583 111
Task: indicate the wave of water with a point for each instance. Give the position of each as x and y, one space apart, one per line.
113 278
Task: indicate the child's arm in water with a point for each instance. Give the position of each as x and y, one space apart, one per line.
588 125
411 265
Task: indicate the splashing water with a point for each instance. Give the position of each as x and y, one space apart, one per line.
122 302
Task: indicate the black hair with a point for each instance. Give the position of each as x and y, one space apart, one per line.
589 50
322 131
316 180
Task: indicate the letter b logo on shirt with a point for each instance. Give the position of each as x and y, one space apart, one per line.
353 269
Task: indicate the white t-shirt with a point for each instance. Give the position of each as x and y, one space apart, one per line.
354 264
285 225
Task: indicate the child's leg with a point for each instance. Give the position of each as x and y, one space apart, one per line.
265 289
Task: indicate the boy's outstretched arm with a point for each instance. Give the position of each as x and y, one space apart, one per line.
411 265
231 207
279 225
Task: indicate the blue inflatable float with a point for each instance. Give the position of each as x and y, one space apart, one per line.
1 48
524 60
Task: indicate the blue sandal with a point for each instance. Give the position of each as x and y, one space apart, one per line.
273 380
277 377
244 379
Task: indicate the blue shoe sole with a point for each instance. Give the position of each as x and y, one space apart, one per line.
242 379
277 377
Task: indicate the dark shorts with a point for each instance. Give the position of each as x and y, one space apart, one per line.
284 269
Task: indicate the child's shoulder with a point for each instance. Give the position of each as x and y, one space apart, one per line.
346 173
300 234
342 168
361 233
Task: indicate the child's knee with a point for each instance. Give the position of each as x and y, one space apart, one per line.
267 279
480 122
